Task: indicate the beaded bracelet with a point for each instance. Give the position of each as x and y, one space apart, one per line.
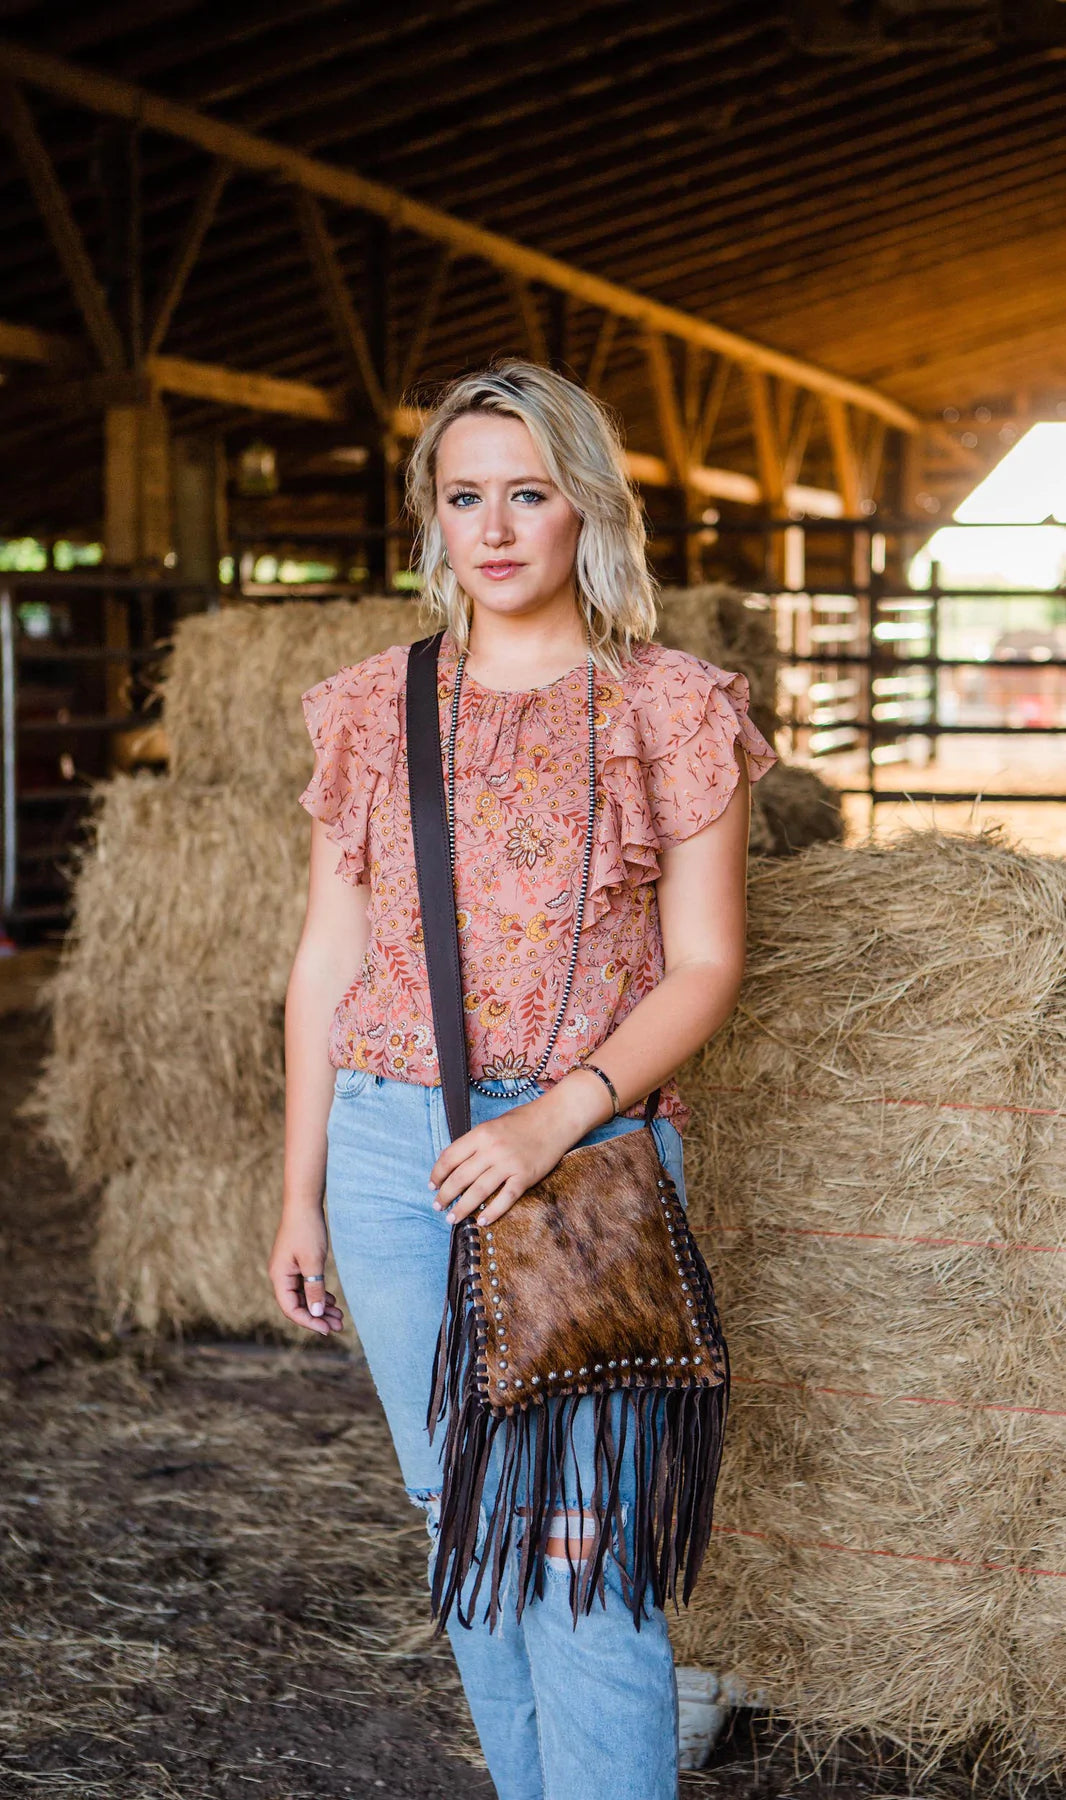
606 1079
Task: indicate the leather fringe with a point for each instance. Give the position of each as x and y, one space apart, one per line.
677 1436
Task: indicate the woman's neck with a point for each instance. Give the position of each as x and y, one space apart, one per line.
521 653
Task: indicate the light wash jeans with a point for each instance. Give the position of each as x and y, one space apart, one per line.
562 1712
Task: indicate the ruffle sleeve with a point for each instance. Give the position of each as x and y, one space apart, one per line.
353 721
670 767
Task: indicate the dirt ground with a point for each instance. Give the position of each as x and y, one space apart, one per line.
211 1579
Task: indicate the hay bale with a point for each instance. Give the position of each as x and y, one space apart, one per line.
857 1156
167 1002
169 997
895 998
730 628
231 693
232 690
792 808
164 1253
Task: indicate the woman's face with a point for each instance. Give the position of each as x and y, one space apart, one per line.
511 535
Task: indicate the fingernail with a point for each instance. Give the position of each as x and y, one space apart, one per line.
317 1309
436 1206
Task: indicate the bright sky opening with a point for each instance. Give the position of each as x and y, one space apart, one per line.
1026 488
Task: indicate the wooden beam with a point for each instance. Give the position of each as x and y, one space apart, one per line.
715 484
24 343
729 484
601 350
427 313
845 461
767 448
105 94
795 448
64 233
525 303
236 387
347 325
186 252
872 455
712 406
671 426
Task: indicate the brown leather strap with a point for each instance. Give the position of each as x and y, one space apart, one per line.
436 893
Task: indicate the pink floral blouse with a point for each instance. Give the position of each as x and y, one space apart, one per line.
666 766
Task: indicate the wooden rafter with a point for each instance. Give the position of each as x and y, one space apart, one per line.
24 343
796 443
186 252
712 405
671 424
122 99
344 317
427 312
845 460
528 313
601 351
59 221
238 387
767 446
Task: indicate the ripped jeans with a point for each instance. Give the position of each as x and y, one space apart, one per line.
562 1713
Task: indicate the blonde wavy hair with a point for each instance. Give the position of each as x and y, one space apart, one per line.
581 444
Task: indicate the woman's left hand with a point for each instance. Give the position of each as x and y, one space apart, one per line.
503 1157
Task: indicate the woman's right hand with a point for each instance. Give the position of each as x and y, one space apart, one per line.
299 1254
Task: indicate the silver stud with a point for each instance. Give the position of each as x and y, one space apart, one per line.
583 1369
684 1362
535 1379
697 1359
669 1360
654 1364
690 1302
570 1371
699 1340
552 1374
624 1364
492 1265
638 1360
503 1343
501 1384
518 1382
494 1282
684 1287
596 1367
613 1364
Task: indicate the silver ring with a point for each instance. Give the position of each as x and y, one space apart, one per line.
308 1278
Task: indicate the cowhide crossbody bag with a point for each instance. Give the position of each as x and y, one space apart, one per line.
591 1285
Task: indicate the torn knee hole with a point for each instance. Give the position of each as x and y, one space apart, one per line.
569 1533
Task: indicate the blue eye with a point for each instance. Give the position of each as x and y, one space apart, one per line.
534 493
454 499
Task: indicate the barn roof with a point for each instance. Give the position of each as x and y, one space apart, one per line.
884 199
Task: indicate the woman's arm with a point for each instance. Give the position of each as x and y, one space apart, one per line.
703 915
328 958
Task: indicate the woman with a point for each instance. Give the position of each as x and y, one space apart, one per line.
531 547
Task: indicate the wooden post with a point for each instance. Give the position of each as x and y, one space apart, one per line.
198 476
382 495
771 468
137 528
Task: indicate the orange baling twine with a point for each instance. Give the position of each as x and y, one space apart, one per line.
886 1237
